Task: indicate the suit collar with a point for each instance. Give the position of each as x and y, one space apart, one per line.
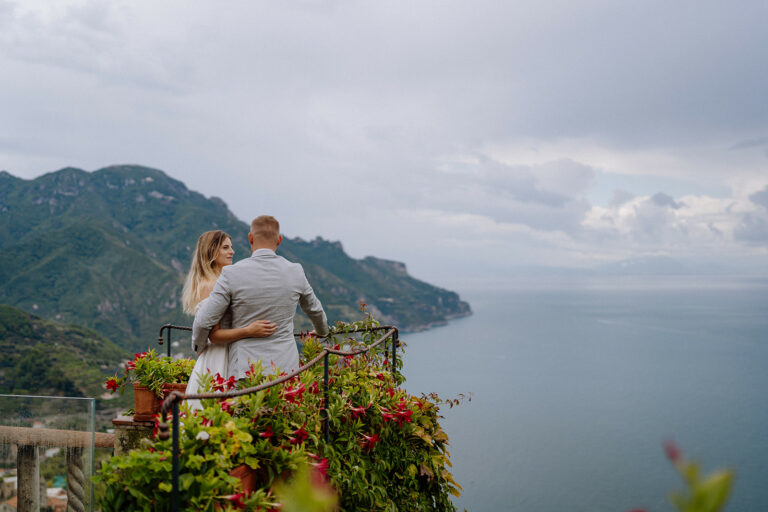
262 252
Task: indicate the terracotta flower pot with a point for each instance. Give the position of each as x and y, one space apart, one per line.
145 403
169 388
248 477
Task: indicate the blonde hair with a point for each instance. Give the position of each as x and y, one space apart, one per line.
203 270
265 228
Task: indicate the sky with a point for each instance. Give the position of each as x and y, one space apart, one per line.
470 140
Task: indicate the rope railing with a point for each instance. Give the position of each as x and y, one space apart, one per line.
172 400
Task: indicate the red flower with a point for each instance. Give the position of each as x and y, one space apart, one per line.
321 467
226 405
380 376
673 452
112 384
206 422
314 388
300 436
369 442
221 384
387 415
267 433
237 500
404 416
358 411
218 382
293 395
391 393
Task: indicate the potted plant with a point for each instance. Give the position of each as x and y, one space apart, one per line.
152 377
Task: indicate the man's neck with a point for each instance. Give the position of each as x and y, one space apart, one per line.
272 248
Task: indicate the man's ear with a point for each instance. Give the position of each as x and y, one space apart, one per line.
250 238
279 239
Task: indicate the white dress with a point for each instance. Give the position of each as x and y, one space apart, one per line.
213 359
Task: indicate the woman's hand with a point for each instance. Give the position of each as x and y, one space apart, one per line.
261 329
256 329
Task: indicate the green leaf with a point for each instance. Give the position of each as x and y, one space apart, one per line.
186 480
713 492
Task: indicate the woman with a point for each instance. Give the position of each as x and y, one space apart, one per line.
213 252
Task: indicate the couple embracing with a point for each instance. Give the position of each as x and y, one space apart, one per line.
244 312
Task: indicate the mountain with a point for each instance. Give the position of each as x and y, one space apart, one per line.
42 357
109 250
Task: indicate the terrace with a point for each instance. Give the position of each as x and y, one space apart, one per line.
70 422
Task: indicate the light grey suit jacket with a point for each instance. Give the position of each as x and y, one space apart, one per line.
263 287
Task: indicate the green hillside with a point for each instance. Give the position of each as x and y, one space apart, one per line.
47 358
109 250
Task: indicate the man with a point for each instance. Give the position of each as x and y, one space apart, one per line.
263 287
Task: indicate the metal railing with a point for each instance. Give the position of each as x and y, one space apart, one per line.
172 401
167 328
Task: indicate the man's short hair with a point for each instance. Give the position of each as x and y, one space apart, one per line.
266 228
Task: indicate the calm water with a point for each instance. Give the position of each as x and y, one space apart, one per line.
575 385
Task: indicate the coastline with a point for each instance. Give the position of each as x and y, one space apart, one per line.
441 323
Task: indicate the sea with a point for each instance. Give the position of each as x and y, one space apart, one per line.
572 384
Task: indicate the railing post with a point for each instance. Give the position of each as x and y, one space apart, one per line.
325 397
394 352
175 474
168 341
28 471
75 480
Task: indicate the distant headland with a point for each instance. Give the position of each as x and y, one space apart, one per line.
108 250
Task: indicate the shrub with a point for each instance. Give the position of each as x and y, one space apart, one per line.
386 449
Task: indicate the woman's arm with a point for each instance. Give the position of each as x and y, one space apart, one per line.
256 329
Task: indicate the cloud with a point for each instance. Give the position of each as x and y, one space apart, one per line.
620 197
753 229
689 227
662 199
548 197
751 143
541 132
760 197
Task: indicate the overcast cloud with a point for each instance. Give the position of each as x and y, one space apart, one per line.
464 138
